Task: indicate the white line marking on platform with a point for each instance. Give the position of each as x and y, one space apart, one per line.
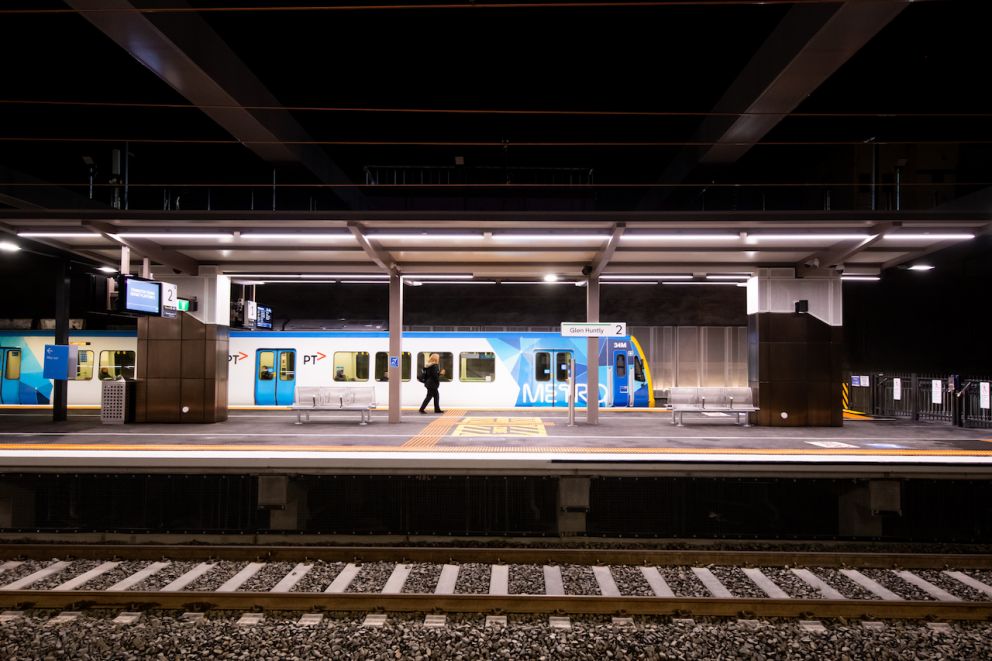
766 584
10 616
553 585
344 579
973 583
374 620
925 585
85 577
712 583
446 581
607 586
499 580
559 622
436 621
63 618
250 619
495 620
815 581
30 579
241 577
657 583
292 578
10 564
397 579
137 577
310 620
870 585
127 618
188 577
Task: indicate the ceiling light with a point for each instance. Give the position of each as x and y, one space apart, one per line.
8 246
176 235
107 269
342 276
728 277
631 282
680 237
865 278
755 238
551 277
424 237
700 282
550 237
59 235
537 282
452 276
300 236
928 237
364 282
921 267
637 276
460 282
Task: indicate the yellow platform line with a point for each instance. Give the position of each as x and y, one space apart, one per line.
432 433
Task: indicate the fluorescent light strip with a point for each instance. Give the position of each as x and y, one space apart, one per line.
538 282
680 237
865 278
728 277
459 282
423 237
921 267
453 276
755 238
635 276
632 282
550 237
60 235
927 237
363 282
300 236
345 276
174 235
711 284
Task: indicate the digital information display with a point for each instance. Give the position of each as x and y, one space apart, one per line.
264 318
142 296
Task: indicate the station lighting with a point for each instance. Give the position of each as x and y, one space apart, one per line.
756 238
679 237
424 237
864 278
630 282
921 267
705 283
551 277
451 276
9 246
728 277
637 276
299 236
220 236
58 235
928 237
549 237
107 269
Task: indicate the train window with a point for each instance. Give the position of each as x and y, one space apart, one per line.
621 361
638 369
447 362
13 370
116 365
382 366
84 367
562 360
477 366
351 365
542 366
266 365
287 365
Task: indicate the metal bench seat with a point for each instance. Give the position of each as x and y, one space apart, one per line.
734 401
334 398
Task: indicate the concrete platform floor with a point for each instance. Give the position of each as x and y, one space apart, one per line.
476 440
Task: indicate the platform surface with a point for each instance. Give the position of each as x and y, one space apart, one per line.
624 440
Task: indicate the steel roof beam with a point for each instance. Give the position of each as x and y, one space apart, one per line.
606 253
153 251
382 258
185 52
841 251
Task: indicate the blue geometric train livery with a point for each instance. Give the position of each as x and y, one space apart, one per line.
495 370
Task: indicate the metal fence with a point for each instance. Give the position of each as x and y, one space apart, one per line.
962 401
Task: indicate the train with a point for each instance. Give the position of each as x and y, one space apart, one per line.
481 369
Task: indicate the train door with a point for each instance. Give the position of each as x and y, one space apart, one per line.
619 375
10 375
551 367
275 377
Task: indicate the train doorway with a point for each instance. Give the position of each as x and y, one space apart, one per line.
275 377
551 369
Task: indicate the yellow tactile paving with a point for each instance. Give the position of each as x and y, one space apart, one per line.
432 433
501 426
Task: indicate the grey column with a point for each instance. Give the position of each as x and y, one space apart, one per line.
395 343
592 353
60 391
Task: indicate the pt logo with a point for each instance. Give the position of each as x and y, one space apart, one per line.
312 359
237 357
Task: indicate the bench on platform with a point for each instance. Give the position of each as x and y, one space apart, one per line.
334 398
736 401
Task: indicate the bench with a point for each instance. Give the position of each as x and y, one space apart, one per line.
737 401
334 398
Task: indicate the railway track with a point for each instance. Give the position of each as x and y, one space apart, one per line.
504 581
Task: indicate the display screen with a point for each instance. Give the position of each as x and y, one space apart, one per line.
264 318
142 296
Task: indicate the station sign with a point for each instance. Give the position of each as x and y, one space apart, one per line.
897 389
170 300
983 395
61 362
182 305
593 329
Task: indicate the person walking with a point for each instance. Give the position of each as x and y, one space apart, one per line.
432 381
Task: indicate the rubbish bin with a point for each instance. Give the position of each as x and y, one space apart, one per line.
117 402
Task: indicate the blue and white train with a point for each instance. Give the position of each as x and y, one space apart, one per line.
494 370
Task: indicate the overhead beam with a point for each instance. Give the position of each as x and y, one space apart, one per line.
164 256
185 52
841 251
382 258
606 253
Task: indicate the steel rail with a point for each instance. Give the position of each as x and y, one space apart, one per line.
588 556
518 604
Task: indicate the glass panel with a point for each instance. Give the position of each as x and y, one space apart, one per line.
351 366
116 364
639 370
621 361
446 363
13 370
478 366
287 365
267 366
84 367
542 366
562 359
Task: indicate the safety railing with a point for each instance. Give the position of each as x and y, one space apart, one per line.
962 401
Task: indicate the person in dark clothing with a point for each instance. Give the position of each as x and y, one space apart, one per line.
432 381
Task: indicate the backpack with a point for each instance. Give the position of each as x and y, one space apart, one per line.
421 374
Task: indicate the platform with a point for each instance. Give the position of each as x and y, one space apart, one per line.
531 441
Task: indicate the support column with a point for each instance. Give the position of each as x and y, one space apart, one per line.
396 344
60 391
795 337
592 353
